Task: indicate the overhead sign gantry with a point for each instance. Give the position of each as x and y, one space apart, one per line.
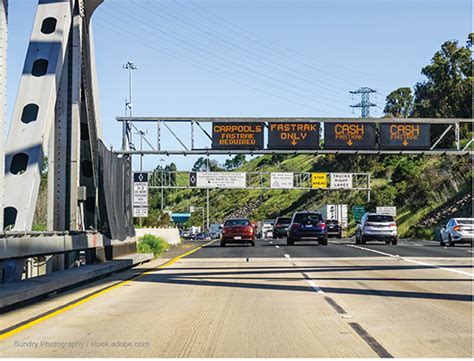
310 135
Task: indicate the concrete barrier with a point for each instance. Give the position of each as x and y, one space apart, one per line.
17 292
170 235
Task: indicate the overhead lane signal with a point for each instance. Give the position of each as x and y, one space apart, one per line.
246 136
405 136
293 135
349 135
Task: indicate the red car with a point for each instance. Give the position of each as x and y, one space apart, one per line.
238 231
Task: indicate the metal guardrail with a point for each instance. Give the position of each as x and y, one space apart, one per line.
32 244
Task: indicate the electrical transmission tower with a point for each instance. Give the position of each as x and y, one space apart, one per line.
365 102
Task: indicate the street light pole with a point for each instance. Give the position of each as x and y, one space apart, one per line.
127 128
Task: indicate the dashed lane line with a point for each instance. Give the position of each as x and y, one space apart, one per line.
412 260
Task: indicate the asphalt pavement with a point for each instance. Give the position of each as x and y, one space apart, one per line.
270 248
272 300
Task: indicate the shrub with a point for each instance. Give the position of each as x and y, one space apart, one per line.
151 244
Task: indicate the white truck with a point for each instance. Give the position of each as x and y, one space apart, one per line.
335 212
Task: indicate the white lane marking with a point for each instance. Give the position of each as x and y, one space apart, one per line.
277 246
413 261
471 251
313 285
287 256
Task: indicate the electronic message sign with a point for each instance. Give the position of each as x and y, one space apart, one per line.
349 135
293 135
247 136
405 136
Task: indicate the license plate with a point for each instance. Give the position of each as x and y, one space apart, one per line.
237 237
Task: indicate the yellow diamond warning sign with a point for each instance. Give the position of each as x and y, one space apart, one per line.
319 180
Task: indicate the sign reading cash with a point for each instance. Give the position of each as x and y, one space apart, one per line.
293 136
281 180
341 180
247 136
140 194
349 135
217 180
405 136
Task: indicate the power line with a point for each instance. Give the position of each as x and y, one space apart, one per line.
275 44
302 76
301 92
220 73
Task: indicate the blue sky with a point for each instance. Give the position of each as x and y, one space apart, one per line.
253 57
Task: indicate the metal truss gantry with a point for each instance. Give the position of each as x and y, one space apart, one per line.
188 145
55 113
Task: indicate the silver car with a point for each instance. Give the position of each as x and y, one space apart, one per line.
376 227
457 230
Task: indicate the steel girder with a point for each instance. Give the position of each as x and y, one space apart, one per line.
55 98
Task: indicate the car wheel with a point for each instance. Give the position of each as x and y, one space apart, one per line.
222 244
339 235
387 242
290 242
394 242
252 244
323 242
450 240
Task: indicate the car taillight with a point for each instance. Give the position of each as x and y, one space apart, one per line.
224 230
250 229
295 226
322 224
456 228
278 225
392 224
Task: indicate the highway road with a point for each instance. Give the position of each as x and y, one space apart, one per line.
272 300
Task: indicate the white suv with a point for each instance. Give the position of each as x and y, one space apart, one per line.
458 230
376 227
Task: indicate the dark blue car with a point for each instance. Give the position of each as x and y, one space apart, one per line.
307 226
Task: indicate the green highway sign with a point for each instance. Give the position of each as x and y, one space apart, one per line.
358 212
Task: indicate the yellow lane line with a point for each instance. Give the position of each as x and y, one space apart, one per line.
91 297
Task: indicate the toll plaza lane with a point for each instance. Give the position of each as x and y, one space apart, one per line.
270 301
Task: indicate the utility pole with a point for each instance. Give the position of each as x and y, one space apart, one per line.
365 104
207 197
127 126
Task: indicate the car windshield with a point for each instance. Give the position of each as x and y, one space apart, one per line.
236 222
283 220
308 217
379 218
332 221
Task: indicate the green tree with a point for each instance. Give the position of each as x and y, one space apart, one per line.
204 164
447 92
399 103
236 162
